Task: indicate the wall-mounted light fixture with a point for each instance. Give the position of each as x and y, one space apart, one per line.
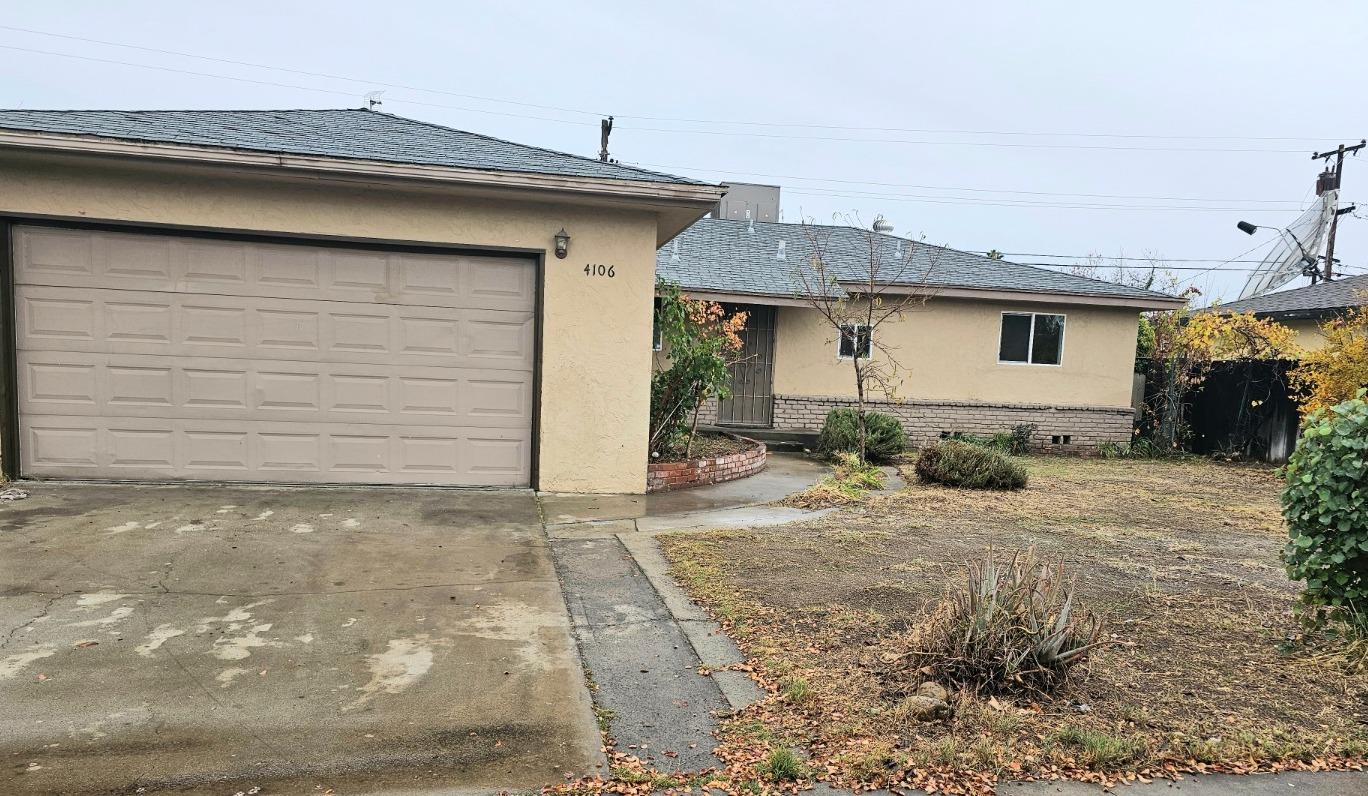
562 244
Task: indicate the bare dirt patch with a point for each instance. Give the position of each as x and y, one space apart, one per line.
1206 672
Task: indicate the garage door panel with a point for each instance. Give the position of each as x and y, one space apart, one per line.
166 358
171 324
147 449
126 385
132 261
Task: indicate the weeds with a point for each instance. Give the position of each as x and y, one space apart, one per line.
782 765
1097 750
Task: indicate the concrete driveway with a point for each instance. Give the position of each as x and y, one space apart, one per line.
212 639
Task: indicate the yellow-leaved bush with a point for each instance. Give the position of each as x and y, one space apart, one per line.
1336 372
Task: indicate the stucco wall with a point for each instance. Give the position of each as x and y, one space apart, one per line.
1308 333
948 350
596 330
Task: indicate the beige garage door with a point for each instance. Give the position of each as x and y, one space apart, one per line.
159 357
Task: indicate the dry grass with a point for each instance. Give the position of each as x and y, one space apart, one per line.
1181 556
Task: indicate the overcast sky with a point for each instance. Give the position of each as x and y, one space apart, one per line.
1005 125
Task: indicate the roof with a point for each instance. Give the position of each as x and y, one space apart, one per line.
1310 301
343 133
740 257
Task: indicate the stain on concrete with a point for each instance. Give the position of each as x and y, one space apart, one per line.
393 671
11 665
159 636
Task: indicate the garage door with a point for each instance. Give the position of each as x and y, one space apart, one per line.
158 357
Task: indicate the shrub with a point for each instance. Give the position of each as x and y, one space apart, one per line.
1325 505
884 435
1013 627
955 463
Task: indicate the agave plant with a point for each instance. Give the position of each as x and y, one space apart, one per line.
1014 626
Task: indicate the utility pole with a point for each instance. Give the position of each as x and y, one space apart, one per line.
606 129
1330 181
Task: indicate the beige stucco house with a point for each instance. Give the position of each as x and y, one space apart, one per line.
996 344
1304 309
324 296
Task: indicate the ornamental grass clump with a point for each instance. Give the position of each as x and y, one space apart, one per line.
961 464
1014 627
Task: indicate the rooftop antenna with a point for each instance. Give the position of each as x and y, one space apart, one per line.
605 130
373 100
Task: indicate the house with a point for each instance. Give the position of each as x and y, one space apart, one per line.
996 345
1304 309
340 296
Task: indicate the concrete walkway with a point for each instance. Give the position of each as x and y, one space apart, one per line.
646 646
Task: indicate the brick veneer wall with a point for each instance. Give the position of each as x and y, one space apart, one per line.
663 476
925 421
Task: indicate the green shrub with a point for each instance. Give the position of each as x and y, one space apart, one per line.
1325 505
1013 627
955 463
1017 442
885 437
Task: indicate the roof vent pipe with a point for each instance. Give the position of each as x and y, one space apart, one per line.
750 222
780 255
883 225
674 251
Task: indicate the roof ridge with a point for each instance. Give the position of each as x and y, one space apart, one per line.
179 110
585 158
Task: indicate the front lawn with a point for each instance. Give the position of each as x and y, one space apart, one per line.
1207 672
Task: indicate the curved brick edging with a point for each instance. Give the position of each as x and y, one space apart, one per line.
664 476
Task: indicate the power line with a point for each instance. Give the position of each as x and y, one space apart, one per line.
904 198
670 119
1299 203
672 131
278 85
303 72
1110 257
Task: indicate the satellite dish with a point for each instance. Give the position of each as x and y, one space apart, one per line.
1296 250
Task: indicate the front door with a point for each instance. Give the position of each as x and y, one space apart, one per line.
752 401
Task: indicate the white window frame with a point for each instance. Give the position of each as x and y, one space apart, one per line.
1030 339
840 334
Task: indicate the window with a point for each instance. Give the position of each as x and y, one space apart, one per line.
1029 337
855 338
657 336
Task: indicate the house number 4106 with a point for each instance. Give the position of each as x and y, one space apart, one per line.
600 269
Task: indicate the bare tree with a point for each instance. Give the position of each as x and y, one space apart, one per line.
857 299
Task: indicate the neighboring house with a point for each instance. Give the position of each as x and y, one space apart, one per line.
1304 309
323 296
996 345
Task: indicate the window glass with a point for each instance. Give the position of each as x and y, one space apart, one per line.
1015 344
854 337
1048 339
657 337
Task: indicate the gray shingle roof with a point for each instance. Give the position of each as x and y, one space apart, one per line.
345 133
724 256
1309 301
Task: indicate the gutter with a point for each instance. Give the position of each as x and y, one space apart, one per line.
671 193
790 300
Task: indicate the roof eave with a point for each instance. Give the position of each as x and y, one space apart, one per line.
1035 296
690 196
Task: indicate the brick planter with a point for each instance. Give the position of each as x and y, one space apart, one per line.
664 476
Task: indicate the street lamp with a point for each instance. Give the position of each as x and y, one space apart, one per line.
1309 267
